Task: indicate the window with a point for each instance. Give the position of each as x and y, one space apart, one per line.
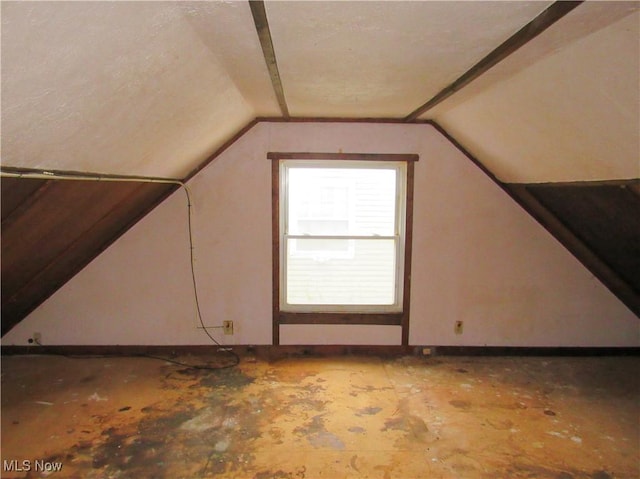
342 227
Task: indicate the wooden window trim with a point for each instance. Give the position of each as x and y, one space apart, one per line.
285 317
343 156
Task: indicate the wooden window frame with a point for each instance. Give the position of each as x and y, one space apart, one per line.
286 317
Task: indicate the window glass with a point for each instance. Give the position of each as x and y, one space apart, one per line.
342 238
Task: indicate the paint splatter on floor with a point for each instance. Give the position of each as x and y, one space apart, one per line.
341 417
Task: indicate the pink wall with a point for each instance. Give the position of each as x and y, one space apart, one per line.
477 257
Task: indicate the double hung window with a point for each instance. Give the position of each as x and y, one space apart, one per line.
341 225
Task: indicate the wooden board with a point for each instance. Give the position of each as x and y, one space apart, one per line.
51 229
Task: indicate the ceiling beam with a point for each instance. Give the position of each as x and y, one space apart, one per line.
264 34
527 33
334 119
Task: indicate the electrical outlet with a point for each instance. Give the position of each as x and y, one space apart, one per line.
458 327
227 327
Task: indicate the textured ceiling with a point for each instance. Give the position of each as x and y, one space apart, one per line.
136 88
383 59
153 88
565 107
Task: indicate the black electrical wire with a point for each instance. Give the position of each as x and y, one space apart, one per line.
195 282
193 366
199 367
236 358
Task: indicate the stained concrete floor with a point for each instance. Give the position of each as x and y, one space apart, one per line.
335 417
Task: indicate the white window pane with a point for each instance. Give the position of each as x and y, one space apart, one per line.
340 272
341 201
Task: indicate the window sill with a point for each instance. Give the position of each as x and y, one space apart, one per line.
285 317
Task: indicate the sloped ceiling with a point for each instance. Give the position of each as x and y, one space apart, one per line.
566 107
136 88
155 88
152 88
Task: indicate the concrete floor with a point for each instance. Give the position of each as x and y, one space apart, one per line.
337 417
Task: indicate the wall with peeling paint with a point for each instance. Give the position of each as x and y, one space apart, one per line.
477 257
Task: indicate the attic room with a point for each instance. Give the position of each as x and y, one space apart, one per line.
306 239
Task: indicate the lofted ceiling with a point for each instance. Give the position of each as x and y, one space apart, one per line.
565 107
156 88
153 88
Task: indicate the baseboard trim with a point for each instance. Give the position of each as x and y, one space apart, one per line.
282 351
561 351
260 351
